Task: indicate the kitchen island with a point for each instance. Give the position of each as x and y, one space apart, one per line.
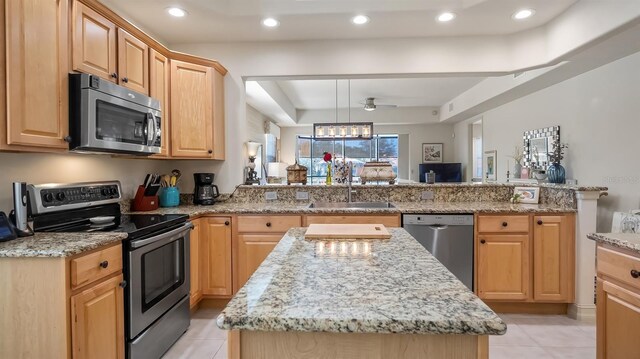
357 299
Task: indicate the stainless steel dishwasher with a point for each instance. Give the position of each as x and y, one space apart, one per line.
449 237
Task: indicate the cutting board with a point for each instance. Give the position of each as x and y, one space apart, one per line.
347 231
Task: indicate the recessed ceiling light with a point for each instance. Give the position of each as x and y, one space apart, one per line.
270 22
360 19
523 14
176 11
446 16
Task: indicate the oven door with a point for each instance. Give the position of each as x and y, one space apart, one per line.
115 124
158 276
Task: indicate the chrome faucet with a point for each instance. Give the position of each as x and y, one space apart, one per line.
350 191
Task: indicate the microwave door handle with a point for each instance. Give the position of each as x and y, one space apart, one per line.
151 129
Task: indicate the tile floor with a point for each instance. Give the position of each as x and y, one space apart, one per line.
528 336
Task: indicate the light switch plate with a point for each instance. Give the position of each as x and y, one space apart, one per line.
427 195
302 195
270 196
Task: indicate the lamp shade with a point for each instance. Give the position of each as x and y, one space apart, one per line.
252 148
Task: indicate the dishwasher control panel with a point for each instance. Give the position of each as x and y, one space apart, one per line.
434 219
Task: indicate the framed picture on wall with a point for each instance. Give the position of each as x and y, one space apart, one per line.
431 152
490 161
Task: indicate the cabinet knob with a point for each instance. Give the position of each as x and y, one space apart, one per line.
540 222
123 284
268 224
504 224
125 80
226 223
483 241
114 75
104 264
210 151
635 273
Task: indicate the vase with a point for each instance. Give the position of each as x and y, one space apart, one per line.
556 173
329 176
517 170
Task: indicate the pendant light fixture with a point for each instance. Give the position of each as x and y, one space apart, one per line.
343 130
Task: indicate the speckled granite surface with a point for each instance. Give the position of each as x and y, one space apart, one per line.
399 288
628 241
46 244
400 207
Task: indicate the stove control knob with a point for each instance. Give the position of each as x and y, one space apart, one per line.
105 191
60 196
114 191
48 197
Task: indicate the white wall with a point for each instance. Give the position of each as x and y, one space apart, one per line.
415 135
396 116
598 113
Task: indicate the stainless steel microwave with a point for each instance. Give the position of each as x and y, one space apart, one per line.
105 117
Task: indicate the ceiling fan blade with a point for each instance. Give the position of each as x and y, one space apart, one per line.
389 106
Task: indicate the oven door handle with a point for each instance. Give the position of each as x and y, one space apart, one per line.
163 237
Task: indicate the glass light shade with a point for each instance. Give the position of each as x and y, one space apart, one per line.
252 148
366 131
343 131
354 131
332 131
320 131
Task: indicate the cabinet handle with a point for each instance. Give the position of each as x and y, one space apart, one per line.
114 75
268 224
104 264
226 223
504 224
540 222
635 273
483 241
123 284
125 80
210 151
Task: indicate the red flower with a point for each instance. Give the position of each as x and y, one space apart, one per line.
327 157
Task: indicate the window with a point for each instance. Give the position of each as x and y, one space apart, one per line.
310 153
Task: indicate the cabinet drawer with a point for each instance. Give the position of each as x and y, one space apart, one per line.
505 224
267 224
618 266
91 267
388 221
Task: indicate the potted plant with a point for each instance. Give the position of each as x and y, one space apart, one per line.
555 172
327 158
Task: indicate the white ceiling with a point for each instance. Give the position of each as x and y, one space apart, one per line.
404 92
239 20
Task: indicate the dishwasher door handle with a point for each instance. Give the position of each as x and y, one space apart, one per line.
437 227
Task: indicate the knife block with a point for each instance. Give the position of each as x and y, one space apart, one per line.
144 203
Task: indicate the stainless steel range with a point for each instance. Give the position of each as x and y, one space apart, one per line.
156 257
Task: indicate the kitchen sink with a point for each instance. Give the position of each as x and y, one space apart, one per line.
352 205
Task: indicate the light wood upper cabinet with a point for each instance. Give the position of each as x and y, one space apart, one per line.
94 43
37 73
252 250
191 110
159 72
553 258
97 323
503 267
195 263
216 246
218 117
618 321
133 62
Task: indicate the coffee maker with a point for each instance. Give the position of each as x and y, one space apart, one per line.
205 192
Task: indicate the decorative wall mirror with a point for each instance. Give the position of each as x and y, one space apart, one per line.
538 144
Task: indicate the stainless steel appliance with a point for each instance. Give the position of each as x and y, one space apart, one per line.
155 256
105 117
205 192
19 215
448 237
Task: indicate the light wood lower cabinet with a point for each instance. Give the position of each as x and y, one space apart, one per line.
503 267
216 247
618 321
553 258
195 263
97 328
252 251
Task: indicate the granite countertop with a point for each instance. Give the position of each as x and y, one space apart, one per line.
398 288
443 185
400 207
628 241
46 244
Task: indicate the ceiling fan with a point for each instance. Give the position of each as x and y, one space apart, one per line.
370 105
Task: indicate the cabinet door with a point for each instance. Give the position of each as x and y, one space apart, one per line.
503 267
218 117
191 110
37 72
552 259
252 250
217 256
94 43
159 71
133 62
97 324
194 256
618 321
